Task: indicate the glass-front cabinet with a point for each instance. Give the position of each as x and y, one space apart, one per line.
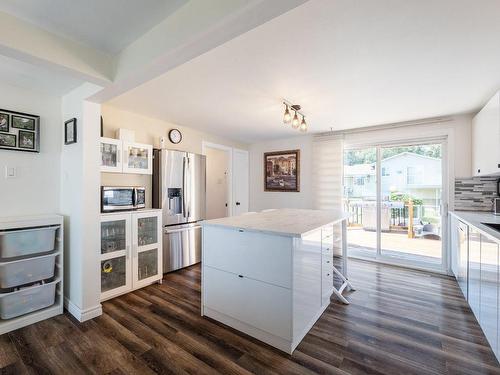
115 255
111 155
131 251
148 252
137 158
119 156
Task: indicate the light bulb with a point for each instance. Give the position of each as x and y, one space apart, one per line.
287 117
295 121
303 125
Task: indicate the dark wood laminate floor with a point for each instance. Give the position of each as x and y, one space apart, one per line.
399 322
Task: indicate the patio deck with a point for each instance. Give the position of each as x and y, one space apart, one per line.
362 242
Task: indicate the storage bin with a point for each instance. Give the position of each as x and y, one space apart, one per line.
25 271
27 242
27 300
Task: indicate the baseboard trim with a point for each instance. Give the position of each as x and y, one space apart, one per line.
82 315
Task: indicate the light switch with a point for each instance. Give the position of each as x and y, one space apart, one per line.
10 172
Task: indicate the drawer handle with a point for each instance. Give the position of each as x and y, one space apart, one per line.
240 276
327 261
240 230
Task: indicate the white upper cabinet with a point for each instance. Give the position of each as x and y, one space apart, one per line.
486 139
126 157
111 155
137 158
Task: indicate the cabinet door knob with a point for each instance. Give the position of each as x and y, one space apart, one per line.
238 203
240 276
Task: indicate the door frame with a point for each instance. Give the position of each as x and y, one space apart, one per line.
444 267
229 152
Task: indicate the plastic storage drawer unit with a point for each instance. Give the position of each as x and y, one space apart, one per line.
25 271
27 300
27 242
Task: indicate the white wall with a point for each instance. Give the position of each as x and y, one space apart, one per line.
457 130
35 190
260 199
217 180
80 181
149 130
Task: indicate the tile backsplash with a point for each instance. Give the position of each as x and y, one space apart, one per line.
475 193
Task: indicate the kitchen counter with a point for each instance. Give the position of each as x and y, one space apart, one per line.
270 274
286 222
477 218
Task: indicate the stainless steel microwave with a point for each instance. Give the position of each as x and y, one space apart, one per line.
122 198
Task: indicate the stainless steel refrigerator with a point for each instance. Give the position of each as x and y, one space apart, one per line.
179 189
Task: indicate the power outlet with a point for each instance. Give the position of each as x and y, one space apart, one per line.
10 172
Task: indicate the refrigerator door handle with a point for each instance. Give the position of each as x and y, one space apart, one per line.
189 187
184 186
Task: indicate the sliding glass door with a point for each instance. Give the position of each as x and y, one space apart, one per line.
394 196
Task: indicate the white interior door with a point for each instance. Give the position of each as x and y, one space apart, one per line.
240 181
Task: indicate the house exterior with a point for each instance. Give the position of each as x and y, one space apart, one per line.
407 172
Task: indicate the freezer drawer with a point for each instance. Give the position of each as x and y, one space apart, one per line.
25 271
27 242
181 246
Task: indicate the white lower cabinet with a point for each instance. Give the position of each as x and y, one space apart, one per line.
476 265
131 251
255 302
270 286
488 308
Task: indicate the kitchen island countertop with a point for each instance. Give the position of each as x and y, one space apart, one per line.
291 222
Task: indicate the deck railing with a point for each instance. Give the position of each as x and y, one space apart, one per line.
398 215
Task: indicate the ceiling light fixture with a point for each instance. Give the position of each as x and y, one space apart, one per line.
303 125
287 117
295 121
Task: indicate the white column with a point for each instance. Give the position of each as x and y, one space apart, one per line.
80 181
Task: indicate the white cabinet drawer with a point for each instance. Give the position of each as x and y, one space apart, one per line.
256 255
264 306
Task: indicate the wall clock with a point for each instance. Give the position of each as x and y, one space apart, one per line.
175 136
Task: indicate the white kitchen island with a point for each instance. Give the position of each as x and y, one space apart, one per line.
270 274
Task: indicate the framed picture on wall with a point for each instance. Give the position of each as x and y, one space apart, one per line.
4 122
70 131
26 140
7 140
282 171
22 122
19 131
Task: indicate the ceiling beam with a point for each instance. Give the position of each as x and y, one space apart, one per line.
25 42
194 29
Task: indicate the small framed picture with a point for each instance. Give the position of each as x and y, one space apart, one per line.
70 131
4 122
7 140
24 123
26 140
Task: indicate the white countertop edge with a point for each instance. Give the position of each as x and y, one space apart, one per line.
124 212
476 218
274 232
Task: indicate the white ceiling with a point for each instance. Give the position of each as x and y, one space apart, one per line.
34 77
348 63
107 25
